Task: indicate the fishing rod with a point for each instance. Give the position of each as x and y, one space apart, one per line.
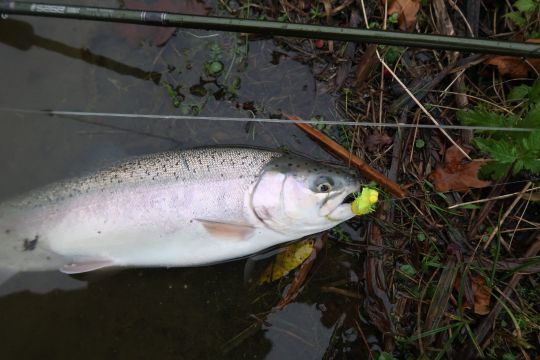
168 19
62 113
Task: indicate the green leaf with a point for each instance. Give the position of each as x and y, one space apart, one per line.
532 142
385 356
481 117
526 6
518 166
420 143
518 92
408 269
532 120
516 18
534 92
493 170
532 35
532 165
392 55
500 150
508 356
393 18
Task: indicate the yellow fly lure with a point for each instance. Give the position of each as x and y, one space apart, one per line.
364 203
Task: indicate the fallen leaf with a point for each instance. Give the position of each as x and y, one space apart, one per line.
515 67
453 175
373 141
301 275
480 293
287 260
365 65
156 34
406 10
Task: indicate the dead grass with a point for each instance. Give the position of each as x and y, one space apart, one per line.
447 275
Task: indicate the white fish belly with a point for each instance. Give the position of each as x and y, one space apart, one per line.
152 225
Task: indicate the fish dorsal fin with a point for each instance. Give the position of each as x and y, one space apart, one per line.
227 231
86 265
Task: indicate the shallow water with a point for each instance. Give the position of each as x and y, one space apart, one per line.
161 313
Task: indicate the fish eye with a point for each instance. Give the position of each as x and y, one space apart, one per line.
324 185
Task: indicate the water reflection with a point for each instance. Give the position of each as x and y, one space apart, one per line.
40 283
20 35
297 333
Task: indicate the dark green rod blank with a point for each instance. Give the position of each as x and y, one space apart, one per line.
437 42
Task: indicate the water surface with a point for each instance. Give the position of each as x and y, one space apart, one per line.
183 313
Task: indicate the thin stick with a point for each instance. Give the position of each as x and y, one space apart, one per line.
493 198
346 155
506 213
437 124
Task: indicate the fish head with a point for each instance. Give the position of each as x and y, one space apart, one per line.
297 196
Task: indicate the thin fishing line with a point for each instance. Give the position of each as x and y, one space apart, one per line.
316 122
61 113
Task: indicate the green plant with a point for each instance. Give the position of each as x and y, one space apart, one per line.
525 10
393 19
509 150
316 12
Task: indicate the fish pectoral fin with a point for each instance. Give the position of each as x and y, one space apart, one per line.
86 265
227 231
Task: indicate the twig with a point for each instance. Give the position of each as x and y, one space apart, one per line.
336 290
483 330
506 213
346 155
421 106
493 198
377 302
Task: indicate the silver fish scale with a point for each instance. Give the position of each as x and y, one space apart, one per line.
208 164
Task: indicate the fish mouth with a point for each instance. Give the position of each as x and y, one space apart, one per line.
349 198
338 207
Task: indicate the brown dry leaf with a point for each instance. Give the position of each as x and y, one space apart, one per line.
373 141
482 296
515 67
406 10
158 35
455 176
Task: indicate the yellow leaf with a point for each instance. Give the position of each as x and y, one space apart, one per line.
286 261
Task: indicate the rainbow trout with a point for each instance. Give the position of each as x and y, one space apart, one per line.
180 208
